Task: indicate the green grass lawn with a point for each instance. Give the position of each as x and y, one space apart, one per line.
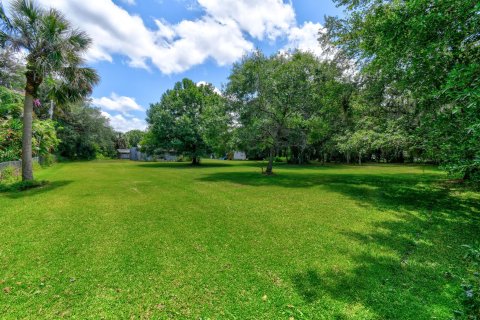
113 239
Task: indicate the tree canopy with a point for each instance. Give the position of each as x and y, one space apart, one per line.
186 120
283 102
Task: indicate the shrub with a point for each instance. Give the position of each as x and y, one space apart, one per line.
471 285
47 160
22 185
9 175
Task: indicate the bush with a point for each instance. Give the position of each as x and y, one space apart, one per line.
44 138
471 285
101 156
9 175
47 160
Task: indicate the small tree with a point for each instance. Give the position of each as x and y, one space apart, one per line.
54 51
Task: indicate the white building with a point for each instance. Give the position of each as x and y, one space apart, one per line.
239 155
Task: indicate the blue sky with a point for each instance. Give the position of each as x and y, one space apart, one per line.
142 47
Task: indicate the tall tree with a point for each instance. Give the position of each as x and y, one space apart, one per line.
84 133
274 98
54 50
185 119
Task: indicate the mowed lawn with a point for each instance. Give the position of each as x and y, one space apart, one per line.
121 239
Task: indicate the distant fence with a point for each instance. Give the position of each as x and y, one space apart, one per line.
16 164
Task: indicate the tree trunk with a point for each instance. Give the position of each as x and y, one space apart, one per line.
270 163
33 82
348 157
195 161
360 158
50 111
27 161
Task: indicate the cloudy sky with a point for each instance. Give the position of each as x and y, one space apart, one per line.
142 47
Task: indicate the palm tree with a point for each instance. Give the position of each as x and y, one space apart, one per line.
54 52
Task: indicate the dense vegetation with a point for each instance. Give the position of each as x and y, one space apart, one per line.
44 137
420 58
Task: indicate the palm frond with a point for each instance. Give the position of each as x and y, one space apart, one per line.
73 84
5 23
79 39
27 10
55 50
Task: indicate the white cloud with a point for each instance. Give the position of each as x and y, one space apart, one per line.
270 18
123 124
219 34
130 2
305 38
191 43
117 103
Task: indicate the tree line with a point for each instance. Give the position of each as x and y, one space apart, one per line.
399 82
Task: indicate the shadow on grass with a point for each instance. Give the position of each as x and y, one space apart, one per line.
423 269
188 165
47 187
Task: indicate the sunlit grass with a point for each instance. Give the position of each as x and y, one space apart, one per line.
117 239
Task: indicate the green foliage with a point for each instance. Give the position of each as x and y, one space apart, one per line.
9 175
22 186
53 49
47 160
12 72
84 133
44 139
189 119
121 141
11 103
281 100
422 56
134 137
471 285
10 139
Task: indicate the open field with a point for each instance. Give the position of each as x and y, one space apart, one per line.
112 239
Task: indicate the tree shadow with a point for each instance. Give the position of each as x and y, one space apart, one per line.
410 265
49 186
188 165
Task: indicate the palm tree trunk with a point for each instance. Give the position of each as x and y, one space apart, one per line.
27 161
